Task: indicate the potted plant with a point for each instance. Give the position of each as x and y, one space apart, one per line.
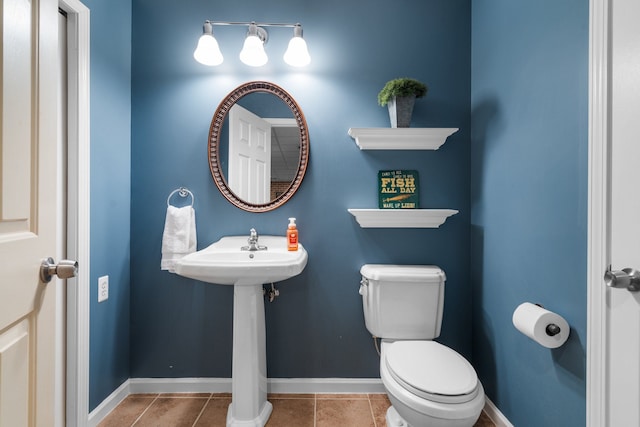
400 95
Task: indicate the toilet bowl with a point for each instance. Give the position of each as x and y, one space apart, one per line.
428 383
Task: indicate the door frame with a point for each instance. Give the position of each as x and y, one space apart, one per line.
598 253
78 223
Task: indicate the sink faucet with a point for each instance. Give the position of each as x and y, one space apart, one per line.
253 242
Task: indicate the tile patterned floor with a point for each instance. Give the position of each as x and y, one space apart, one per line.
289 410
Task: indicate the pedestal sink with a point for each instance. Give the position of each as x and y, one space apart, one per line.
225 263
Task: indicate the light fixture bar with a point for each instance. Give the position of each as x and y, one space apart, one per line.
259 24
253 54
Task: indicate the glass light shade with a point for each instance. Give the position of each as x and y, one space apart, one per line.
253 53
297 54
208 52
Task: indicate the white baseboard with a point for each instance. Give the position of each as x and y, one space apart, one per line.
494 413
274 385
325 385
108 404
179 385
223 385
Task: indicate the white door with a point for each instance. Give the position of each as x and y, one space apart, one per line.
623 306
249 156
28 124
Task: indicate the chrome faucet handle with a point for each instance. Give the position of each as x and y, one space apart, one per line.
253 242
253 236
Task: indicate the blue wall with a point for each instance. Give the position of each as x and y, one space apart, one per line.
529 201
516 170
110 193
181 327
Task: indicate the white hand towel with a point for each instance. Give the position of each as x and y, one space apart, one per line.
179 237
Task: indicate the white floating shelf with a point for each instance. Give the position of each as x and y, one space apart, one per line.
400 138
401 218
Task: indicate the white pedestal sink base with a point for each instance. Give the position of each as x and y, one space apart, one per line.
259 421
225 263
249 406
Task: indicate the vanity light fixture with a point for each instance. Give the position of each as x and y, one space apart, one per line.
297 54
208 52
253 54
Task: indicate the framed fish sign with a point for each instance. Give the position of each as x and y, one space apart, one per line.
398 189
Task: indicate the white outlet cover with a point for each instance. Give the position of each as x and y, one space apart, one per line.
103 288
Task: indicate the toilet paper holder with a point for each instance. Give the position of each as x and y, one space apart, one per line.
541 325
552 329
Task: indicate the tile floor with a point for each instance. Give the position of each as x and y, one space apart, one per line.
289 410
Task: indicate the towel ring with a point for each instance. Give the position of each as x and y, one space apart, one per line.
183 192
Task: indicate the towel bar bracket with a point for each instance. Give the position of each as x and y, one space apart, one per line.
182 192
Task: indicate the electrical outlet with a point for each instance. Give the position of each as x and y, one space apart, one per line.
103 288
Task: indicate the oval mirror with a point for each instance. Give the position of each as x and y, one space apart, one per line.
258 146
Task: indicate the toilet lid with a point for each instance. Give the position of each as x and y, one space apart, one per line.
431 370
403 273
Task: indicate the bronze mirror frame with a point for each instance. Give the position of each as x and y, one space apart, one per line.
214 144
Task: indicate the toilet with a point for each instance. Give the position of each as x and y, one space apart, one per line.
428 383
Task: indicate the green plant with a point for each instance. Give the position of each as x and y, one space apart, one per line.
401 87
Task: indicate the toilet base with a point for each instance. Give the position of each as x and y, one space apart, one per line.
394 419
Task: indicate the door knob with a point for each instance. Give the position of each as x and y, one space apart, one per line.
65 269
626 278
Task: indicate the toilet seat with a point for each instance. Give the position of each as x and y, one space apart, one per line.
431 371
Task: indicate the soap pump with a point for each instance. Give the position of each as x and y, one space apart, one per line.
292 235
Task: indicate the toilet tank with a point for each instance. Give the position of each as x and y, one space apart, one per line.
402 301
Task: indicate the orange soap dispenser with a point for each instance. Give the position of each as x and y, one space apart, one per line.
292 235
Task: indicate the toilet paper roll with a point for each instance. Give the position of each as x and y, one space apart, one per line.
543 326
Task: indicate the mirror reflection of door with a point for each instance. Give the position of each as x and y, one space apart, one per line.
249 155
285 154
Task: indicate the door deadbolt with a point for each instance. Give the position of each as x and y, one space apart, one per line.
65 269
